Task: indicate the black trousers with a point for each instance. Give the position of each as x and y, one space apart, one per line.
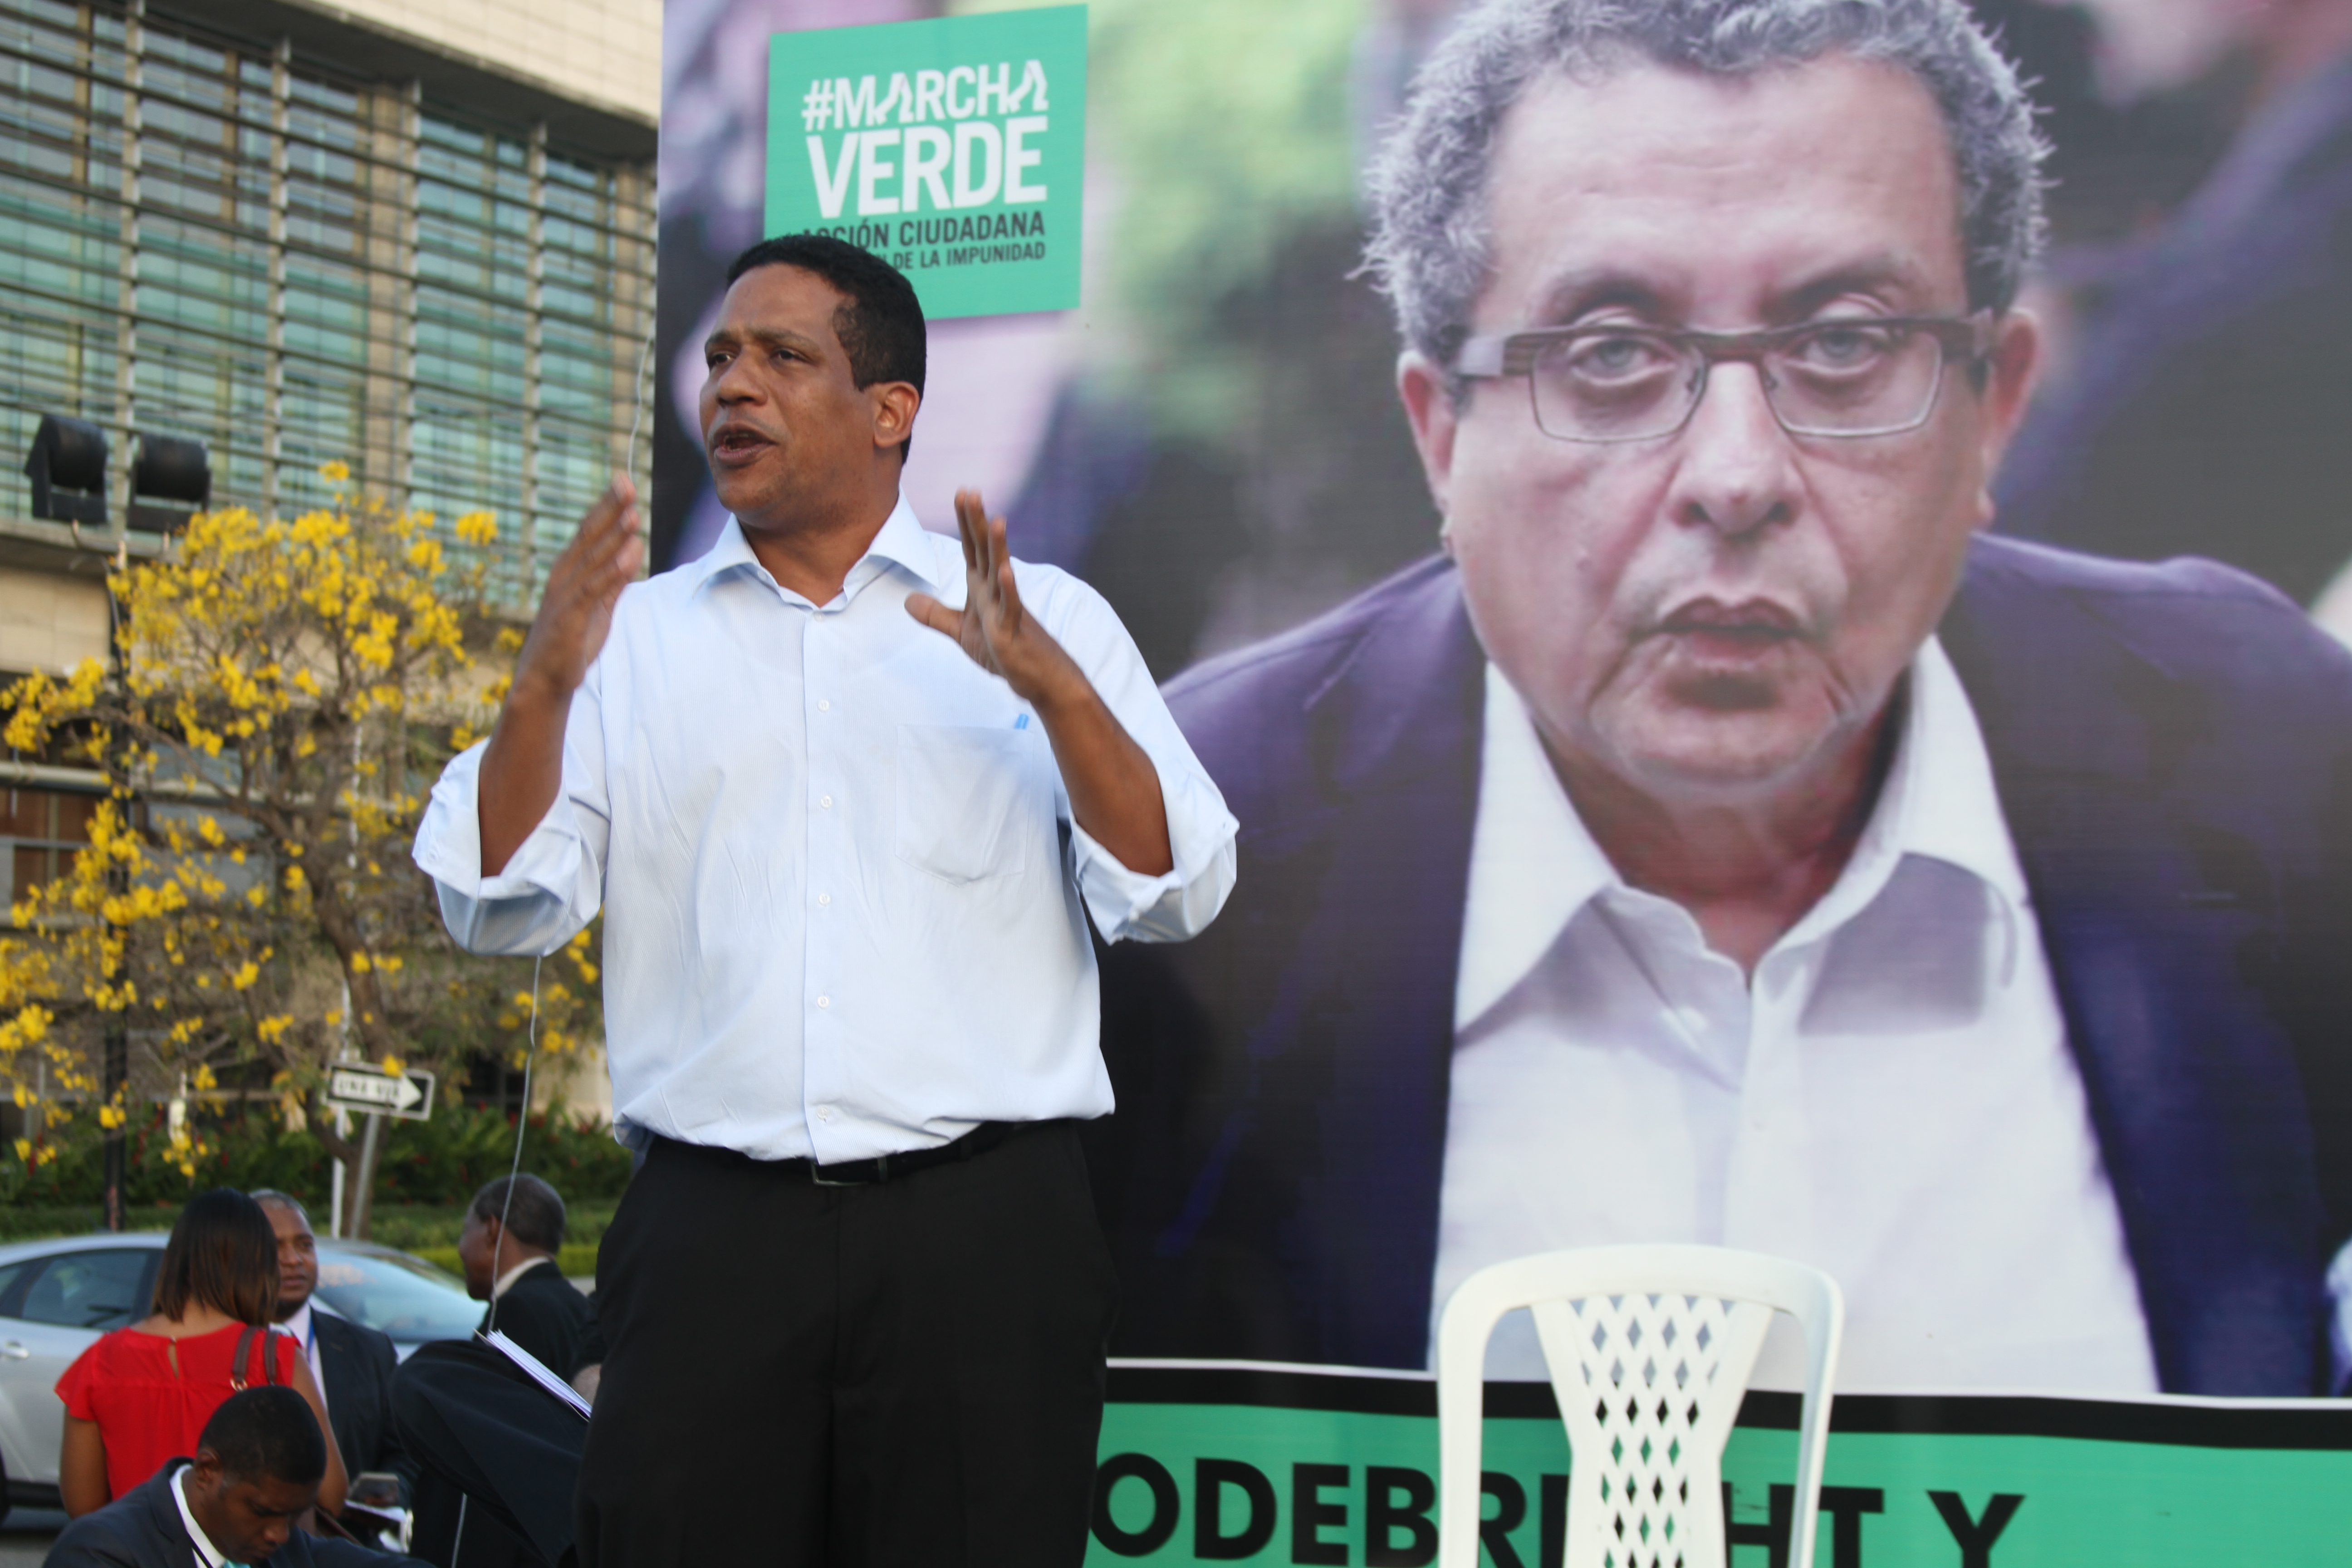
886 1376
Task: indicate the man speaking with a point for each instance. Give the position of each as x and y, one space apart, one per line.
1722 841
847 792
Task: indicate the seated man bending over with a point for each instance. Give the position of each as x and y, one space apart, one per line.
257 1472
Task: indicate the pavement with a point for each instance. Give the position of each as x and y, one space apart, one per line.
26 1535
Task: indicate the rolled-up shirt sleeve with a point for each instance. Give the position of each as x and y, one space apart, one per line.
553 885
1127 905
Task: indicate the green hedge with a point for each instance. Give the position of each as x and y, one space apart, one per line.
578 1259
429 1230
440 1162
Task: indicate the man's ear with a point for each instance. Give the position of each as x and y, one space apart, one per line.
205 1472
894 404
1429 409
2011 371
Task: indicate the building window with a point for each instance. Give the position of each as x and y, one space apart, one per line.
40 830
208 235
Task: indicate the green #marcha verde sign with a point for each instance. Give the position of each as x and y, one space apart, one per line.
955 149
1283 1466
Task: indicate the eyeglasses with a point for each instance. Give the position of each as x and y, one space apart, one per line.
1843 377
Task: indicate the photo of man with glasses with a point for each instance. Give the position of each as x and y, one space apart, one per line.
1723 839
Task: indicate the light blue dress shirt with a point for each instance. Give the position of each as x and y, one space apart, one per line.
841 878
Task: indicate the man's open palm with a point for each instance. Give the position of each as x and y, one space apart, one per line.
994 627
575 613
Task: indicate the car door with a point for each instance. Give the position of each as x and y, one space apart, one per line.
50 1312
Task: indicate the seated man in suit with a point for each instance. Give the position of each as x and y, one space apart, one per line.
351 1363
257 1472
1722 840
513 1230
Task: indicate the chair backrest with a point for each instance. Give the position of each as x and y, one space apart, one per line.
1650 1349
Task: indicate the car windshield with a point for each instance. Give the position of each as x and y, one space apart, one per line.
405 1298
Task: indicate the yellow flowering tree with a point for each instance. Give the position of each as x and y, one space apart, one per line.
282 696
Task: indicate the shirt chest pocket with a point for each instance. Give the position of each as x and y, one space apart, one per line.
972 803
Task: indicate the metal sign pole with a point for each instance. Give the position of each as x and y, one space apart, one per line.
335 1179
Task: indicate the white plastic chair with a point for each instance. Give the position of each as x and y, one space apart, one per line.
1650 1349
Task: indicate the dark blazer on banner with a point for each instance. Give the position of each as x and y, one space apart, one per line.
143 1529
2173 750
359 1362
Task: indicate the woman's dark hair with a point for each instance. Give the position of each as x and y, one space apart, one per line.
224 1255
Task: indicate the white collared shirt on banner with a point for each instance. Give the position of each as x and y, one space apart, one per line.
1891 1099
841 880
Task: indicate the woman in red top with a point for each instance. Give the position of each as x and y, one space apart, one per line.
141 1395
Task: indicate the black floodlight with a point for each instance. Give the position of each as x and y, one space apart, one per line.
173 471
67 468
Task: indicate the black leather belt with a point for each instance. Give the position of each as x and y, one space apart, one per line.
890 1167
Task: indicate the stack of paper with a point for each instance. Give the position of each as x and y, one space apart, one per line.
538 1370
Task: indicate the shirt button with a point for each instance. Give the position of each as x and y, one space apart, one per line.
825 1001
824 800
822 706
825 1113
825 898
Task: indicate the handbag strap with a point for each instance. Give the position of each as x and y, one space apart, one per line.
236 1380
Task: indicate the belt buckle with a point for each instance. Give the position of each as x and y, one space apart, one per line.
881 1163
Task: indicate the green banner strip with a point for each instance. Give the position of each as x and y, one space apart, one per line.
1337 1467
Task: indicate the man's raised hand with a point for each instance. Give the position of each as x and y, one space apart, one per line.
576 612
992 628
523 767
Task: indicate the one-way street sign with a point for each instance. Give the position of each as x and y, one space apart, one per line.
357 1086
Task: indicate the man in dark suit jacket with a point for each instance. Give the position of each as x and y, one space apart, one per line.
257 1468
513 1231
507 1248
1724 574
2180 792
353 1362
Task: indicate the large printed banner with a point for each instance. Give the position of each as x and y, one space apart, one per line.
1691 425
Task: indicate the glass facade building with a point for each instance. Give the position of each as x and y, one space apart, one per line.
209 232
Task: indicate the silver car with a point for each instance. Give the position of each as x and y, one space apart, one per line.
57 1296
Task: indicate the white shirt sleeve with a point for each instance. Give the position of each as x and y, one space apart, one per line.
553 884
1127 905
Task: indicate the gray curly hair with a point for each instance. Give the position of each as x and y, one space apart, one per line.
1429 245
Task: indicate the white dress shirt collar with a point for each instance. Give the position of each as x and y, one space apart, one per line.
1938 801
506 1281
303 1328
208 1554
300 1325
902 541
